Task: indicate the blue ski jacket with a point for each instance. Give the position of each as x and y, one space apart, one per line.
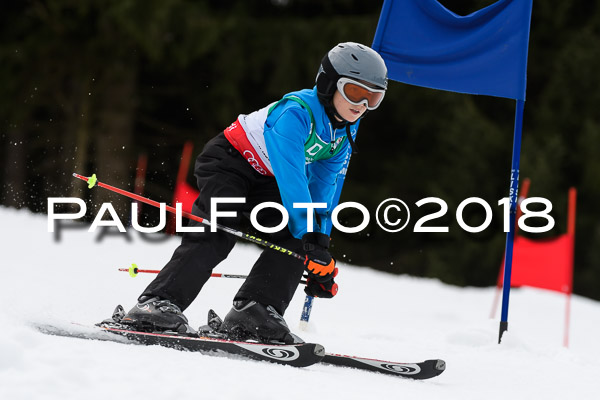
307 156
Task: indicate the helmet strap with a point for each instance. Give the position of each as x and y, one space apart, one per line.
326 87
350 140
337 121
336 124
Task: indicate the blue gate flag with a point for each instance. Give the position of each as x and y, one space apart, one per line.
425 44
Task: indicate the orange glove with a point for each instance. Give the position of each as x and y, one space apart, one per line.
320 266
324 288
318 260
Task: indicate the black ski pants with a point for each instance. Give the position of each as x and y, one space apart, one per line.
221 171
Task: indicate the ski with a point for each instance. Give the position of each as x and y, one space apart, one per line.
296 355
421 370
209 340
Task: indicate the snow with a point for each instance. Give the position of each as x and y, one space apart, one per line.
377 315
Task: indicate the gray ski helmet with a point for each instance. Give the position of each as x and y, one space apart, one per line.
352 60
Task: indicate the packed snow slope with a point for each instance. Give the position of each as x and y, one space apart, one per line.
398 318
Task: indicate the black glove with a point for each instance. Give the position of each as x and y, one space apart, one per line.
320 265
324 289
318 261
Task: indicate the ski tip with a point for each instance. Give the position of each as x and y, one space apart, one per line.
440 365
319 350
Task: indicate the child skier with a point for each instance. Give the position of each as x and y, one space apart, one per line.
293 151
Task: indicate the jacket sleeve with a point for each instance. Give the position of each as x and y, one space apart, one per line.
286 131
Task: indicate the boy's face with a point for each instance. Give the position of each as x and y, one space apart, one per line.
349 112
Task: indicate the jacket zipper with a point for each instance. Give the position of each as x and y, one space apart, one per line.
332 139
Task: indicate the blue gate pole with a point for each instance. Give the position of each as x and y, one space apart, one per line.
510 236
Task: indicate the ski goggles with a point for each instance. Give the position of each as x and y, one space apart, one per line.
357 93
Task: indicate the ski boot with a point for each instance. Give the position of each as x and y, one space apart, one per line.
156 314
249 320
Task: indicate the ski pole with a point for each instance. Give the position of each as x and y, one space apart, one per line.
134 271
93 181
306 310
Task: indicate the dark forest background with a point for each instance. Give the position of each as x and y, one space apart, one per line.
88 86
